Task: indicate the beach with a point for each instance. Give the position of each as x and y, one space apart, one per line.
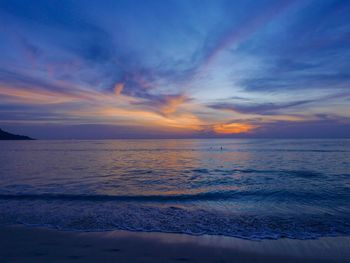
31 244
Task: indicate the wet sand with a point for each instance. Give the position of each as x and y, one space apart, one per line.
26 244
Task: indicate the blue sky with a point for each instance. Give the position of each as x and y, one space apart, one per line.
181 68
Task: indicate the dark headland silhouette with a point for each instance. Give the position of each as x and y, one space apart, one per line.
9 136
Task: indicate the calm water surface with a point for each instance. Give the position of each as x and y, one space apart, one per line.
252 189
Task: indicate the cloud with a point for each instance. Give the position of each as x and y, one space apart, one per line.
283 109
305 51
34 96
85 105
165 104
118 88
171 103
318 128
21 87
246 28
289 82
261 109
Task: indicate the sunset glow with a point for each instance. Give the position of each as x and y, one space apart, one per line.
233 128
228 69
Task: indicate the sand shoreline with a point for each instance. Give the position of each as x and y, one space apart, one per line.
28 244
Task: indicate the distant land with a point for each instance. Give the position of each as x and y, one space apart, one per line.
9 136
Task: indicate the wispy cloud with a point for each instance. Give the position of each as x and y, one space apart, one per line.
261 109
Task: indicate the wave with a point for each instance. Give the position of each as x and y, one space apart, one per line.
296 173
210 149
274 195
186 220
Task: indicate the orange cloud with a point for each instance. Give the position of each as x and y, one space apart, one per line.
233 128
185 121
118 88
172 103
36 96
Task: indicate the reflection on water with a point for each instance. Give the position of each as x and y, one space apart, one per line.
249 188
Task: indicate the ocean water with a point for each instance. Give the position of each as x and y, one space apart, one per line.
252 189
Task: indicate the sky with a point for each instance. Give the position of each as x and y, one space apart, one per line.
84 69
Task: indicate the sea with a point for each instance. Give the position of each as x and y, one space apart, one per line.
247 188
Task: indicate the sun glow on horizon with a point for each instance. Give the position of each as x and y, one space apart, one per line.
233 128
